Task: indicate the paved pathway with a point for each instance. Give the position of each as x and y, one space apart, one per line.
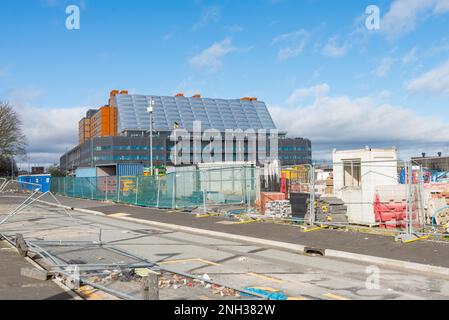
13 286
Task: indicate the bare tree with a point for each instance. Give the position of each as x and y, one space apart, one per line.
12 139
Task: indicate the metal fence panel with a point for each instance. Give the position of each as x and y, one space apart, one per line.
182 189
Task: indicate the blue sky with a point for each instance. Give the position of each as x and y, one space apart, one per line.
323 74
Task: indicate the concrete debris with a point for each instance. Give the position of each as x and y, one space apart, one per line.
116 275
224 292
143 272
206 277
34 273
167 281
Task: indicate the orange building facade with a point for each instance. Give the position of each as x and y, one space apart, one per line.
84 130
102 123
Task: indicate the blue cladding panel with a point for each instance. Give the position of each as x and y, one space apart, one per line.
218 114
43 180
86 172
129 170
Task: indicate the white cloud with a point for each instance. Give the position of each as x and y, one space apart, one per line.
410 56
384 94
169 35
433 81
235 28
291 44
384 67
331 121
404 15
23 96
49 131
441 6
332 49
211 58
3 72
315 91
57 3
211 14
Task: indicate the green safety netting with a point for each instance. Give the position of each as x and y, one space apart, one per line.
181 189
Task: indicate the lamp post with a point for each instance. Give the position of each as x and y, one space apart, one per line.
12 168
150 111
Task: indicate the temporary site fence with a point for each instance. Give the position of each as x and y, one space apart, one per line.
385 193
3 181
29 193
389 194
181 189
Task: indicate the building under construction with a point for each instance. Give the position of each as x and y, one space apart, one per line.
438 163
119 133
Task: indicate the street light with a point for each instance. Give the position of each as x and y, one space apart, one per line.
150 111
12 168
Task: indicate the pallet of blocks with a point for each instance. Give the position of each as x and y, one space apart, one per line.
278 209
329 185
438 209
329 209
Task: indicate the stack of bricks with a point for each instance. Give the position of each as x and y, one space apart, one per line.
443 194
329 185
279 209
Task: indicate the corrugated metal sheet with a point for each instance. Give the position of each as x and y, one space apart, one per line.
86 172
128 170
44 180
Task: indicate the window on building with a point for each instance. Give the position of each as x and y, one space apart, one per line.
352 173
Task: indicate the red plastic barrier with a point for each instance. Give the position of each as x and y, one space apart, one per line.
390 215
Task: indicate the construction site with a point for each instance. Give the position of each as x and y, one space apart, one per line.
214 159
237 231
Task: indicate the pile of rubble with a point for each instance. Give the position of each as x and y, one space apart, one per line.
174 281
108 276
166 281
